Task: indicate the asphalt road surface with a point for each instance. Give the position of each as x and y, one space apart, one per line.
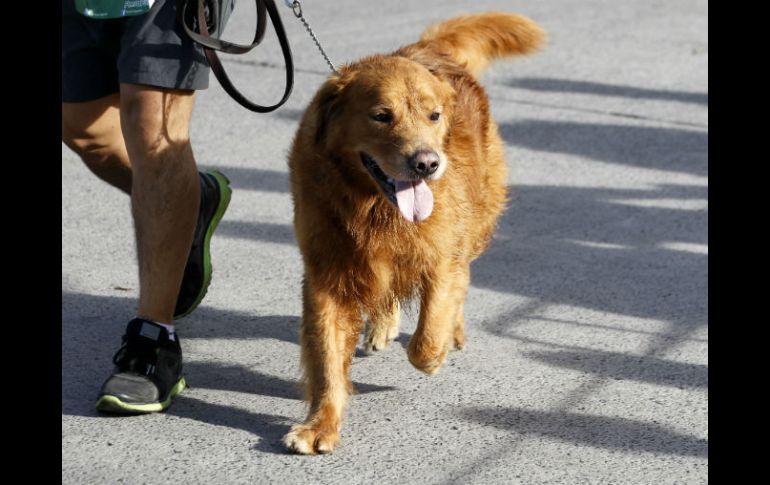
587 352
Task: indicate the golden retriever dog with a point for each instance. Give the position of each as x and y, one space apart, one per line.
398 178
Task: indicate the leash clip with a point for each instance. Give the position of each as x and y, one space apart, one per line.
296 8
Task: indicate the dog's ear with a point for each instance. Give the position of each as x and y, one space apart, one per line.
438 63
326 108
328 101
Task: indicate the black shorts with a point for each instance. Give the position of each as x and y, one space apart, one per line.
150 49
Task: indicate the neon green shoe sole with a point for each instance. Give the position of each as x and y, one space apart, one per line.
112 404
197 276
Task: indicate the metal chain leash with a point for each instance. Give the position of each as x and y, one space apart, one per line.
297 9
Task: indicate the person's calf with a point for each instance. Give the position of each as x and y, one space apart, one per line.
165 194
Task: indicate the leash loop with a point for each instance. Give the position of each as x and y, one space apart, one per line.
210 42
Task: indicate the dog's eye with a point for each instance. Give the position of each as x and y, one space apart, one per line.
435 116
383 117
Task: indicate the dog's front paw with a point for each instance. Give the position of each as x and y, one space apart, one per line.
310 440
426 358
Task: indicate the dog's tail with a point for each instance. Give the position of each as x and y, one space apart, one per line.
476 40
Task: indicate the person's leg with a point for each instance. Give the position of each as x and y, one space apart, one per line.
165 193
165 200
127 95
149 127
92 130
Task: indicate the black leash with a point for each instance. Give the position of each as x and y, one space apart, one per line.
208 35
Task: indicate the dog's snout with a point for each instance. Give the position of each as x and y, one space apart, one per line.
424 162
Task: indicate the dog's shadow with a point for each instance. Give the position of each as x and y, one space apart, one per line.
269 428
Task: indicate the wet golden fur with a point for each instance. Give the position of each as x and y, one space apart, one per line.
361 257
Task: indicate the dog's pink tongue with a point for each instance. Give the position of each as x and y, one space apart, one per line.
415 200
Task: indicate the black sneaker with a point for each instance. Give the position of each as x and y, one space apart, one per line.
215 197
148 373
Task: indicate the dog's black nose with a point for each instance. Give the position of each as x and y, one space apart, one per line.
424 162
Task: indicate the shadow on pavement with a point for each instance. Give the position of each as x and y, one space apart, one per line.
246 380
595 431
587 247
254 178
668 149
602 89
290 114
270 428
260 231
617 366
238 378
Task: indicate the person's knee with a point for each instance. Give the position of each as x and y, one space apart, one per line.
142 124
155 121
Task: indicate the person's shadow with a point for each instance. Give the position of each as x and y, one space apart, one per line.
82 313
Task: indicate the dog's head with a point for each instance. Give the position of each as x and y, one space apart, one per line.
389 118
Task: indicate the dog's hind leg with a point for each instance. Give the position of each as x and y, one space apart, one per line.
382 328
330 331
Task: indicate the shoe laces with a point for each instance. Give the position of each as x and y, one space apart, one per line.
136 355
